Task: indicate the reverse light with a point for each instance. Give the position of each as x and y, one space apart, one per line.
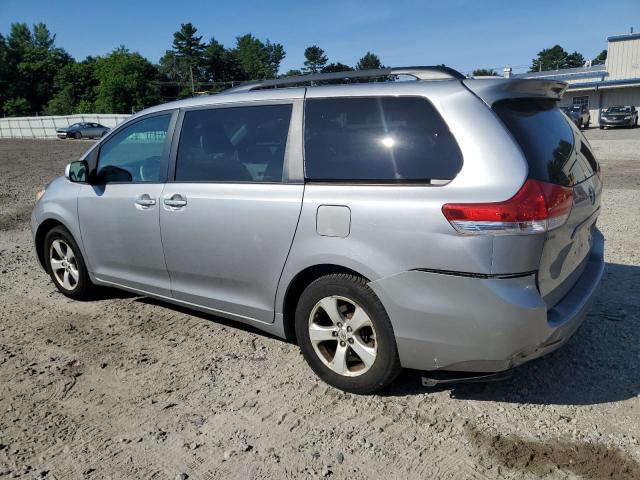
537 207
39 195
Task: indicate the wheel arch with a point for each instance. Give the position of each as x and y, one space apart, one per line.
41 234
297 285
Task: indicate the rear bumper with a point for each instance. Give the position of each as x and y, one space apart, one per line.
460 323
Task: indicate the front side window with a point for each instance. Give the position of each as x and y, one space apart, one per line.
237 144
134 154
378 139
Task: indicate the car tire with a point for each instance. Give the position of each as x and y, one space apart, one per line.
361 358
65 264
601 127
77 135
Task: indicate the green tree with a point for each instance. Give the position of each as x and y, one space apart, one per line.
336 67
17 107
32 62
315 59
126 82
556 58
4 70
258 60
370 61
75 85
291 73
220 63
184 63
484 72
600 59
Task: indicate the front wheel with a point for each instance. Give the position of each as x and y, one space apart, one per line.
77 135
65 264
345 334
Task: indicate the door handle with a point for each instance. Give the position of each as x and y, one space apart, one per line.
145 200
176 201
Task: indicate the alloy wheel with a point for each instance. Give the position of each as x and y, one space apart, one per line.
64 265
343 336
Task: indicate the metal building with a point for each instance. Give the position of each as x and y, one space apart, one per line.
617 82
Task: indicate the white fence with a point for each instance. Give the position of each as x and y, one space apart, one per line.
45 127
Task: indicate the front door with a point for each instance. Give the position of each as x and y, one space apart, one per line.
119 211
229 216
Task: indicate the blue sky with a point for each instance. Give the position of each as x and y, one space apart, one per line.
463 34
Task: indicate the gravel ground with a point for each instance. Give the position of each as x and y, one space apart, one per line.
127 387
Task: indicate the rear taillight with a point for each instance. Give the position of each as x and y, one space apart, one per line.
537 207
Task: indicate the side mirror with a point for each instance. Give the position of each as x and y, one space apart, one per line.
76 171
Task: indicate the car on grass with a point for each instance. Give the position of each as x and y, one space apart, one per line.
83 130
444 224
619 116
579 115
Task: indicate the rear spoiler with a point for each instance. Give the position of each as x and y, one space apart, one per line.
490 90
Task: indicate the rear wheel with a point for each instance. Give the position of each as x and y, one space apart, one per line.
345 334
65 264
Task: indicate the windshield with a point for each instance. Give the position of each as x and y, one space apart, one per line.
619 110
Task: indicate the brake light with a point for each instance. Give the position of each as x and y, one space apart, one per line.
537 207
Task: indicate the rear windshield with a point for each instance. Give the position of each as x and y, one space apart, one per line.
554 151
378 139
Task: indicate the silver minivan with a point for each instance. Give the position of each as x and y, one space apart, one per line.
442 223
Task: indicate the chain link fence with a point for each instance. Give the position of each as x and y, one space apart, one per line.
45 127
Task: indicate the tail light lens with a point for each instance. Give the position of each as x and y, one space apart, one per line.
537 207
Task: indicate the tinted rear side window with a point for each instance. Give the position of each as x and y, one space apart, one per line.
243 144
378 139
555 153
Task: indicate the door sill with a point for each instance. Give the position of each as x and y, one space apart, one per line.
195 306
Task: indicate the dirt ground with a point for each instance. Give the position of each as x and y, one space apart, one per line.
125 387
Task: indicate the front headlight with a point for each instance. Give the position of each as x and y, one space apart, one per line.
628 117
40 193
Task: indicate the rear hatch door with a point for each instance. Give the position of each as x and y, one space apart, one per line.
557 152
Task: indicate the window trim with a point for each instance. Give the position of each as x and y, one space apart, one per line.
292 163
431 182
94 157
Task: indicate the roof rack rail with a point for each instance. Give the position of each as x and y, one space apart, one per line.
420 73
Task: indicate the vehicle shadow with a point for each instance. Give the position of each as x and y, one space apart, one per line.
599 364
207 316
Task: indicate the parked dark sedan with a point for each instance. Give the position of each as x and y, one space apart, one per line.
619 116
579 115
83 130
